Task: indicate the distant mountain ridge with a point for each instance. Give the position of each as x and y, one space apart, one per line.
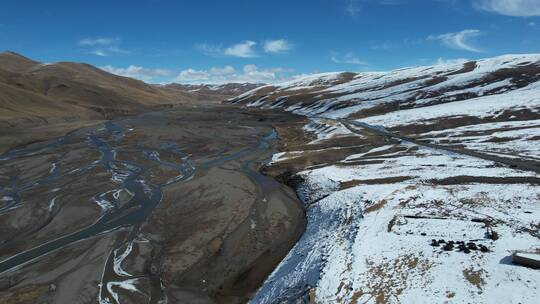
371 94
31 91
230 89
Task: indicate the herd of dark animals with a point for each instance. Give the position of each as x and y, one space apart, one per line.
466 247
461 246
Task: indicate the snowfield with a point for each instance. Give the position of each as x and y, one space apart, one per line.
391 220
371 242
527 98
519 138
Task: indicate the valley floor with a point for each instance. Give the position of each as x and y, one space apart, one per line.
165 207
390 219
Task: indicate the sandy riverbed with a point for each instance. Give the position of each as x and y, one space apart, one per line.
213 237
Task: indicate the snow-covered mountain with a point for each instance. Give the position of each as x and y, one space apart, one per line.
419 184
227 89
369 94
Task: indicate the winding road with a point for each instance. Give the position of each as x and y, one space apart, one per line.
525 165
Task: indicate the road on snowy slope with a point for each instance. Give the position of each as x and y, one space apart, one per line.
166 205
380 130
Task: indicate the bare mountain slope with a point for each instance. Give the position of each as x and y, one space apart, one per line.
13 62
66 95
78 90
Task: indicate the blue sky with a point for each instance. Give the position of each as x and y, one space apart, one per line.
265 41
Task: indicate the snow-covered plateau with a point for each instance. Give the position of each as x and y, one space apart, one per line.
419 184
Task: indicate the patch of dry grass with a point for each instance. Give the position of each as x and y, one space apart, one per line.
475 277
26 295
291 135
375 207
375 181
388 279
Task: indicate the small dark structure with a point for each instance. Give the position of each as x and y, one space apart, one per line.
529 259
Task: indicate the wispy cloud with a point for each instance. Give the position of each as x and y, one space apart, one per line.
227 74
349 58
246 48
98 52
516 8
209 49
193 76
226 70
353 7
102 46
137 72
243 49
211 75
278 46
459 40
382 46
98 41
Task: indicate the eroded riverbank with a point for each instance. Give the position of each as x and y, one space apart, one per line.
163 207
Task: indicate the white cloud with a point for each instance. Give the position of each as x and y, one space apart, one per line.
226 70
460 40
277 46
533 24
98 41
116 49
197 76
210 50
99 53
516 8
191 75
108 51
349 58
382 46
251 71
227 74
353 7
102 46
213 75
245 49
137 72
242 50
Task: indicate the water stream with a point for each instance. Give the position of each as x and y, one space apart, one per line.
127 176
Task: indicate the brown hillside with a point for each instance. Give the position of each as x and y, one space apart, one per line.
41 96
